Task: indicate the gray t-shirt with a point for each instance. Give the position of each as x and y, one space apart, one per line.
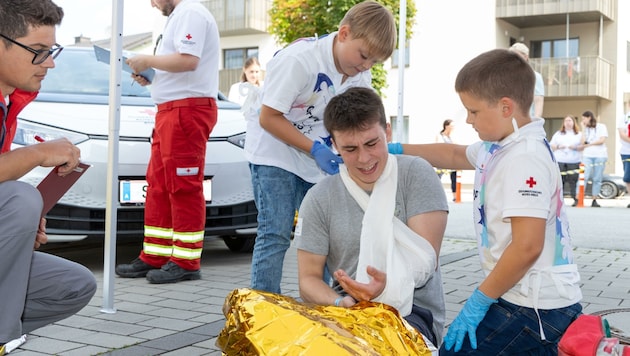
331 224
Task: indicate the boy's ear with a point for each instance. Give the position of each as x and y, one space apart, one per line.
507 107
343 33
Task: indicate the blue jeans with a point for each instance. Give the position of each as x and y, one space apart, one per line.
625 160
594 171
509 329
277 193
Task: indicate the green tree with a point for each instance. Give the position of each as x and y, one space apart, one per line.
293 19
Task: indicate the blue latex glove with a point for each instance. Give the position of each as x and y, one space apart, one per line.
395 148
467 321
325 158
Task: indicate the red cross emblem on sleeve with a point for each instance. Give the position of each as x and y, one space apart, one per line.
531 182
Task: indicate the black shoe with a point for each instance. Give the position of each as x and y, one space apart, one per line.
628 205
137 268
594 204
575 202
171 273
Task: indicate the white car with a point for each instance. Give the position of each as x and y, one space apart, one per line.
73 103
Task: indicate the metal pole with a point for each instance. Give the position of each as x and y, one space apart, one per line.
115 91
402 42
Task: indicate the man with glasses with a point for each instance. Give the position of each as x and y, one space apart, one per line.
36 288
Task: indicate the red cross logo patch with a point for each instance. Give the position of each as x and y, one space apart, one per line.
188 36
531 182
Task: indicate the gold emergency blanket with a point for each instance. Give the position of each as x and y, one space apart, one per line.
262 323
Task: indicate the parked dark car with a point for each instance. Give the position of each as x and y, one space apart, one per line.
612 187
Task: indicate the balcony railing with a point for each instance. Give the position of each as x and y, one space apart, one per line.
509 8
240 17
533 13
576 76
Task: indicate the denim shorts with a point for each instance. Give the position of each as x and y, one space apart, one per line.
509 329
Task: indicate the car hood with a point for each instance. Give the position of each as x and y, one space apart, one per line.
90 115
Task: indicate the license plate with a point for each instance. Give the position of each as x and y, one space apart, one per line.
135 191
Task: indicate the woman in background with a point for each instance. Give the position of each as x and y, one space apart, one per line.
251 75
594 152
445 136
565 143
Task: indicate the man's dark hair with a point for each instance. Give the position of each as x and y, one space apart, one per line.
355 109
17 15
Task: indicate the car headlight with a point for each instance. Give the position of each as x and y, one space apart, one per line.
27 130
237 140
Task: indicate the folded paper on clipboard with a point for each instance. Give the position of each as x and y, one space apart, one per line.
102 55
54 186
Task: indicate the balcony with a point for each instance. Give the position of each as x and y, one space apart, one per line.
585 76
537 13
240 17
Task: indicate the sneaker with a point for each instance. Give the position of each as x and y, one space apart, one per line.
594 204
575 202
172 273
628 205
137 268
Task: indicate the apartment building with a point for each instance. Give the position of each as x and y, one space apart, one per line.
581 47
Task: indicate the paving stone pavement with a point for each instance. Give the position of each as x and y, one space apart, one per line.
185 318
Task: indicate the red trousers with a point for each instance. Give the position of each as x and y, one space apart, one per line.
175 208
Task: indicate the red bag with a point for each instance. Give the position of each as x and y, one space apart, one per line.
589 335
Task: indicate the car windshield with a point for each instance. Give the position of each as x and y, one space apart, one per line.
78 72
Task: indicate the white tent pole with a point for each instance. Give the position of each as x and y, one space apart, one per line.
402 42
115 71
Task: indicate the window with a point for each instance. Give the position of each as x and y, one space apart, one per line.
404 135
555 48
235 58
395 58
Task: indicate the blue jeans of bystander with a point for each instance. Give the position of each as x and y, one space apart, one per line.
594 171
277 193
509 329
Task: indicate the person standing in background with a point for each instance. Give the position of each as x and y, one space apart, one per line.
185 88
249 78
287 145
37 288
445 136
623 127
565 143
594 153
536 109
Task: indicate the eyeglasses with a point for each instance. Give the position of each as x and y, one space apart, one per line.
40 54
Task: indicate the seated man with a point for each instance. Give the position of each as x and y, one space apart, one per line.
381 216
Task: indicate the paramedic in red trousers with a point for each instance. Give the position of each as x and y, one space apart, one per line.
185 88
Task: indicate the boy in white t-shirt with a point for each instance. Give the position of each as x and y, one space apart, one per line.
287 145
531 281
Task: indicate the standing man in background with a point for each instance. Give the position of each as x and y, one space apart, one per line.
185 88
536 109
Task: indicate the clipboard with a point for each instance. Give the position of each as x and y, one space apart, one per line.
54 186
102 55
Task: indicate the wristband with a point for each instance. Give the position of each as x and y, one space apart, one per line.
338 301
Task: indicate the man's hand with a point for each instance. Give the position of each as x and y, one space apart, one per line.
362 291
59 153
325 158
468 320
41 238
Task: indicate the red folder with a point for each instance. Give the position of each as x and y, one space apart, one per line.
54 186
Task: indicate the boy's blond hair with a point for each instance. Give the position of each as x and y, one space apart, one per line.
496 74
375 24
